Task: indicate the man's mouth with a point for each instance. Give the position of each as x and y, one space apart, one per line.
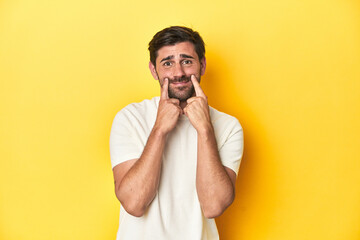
180 81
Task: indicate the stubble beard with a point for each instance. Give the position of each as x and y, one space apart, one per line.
181 93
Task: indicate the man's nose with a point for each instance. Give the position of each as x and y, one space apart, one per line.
178 70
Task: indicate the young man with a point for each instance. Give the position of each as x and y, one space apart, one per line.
174 158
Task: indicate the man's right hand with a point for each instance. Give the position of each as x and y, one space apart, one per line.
169 110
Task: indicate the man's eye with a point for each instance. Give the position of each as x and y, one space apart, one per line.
167 64
187 62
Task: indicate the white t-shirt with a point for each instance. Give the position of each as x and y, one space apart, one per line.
175 212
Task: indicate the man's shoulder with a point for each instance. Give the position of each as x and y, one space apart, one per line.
143 107
217 116
226 127
224 123
138 112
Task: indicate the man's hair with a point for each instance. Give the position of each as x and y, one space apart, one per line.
173 35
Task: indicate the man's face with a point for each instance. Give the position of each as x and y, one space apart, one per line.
178 63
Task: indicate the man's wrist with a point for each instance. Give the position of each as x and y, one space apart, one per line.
158 132
206 131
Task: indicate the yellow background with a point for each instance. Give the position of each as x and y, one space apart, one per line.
288 70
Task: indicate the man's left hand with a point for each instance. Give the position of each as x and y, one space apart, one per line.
197 108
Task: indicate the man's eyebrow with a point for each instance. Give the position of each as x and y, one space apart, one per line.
167 58
182 55
186 56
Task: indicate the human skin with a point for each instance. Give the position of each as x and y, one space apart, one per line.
137 180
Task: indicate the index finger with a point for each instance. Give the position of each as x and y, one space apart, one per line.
199 92
165 89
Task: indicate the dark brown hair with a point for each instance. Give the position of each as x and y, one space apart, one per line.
173 35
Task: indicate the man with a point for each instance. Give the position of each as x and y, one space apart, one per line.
174 158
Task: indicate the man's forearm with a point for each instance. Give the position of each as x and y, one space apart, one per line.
140 184
214 186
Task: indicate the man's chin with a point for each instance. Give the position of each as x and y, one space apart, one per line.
182 96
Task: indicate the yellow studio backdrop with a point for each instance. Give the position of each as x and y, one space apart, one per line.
289 70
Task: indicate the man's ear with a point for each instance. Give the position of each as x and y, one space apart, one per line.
202 66
153 71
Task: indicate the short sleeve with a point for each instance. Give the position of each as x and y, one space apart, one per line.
124 145
232 145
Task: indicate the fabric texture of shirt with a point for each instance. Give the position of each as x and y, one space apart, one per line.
175 211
